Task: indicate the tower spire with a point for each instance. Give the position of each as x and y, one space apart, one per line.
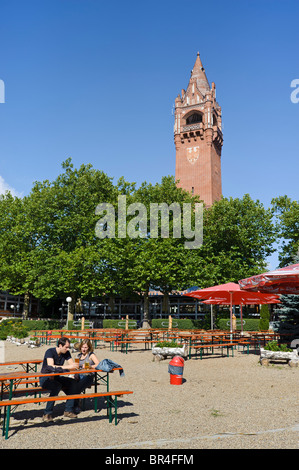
198 76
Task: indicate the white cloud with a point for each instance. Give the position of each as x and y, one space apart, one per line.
5 187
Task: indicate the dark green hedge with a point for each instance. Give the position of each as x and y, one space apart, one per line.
250 324
41 324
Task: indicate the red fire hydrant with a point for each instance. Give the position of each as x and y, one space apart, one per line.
176 369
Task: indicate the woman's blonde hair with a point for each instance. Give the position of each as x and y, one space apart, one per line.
89 344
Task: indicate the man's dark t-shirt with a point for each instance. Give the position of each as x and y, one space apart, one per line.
59 360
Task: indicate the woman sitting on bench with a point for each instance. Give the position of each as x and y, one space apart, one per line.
88 357
54 360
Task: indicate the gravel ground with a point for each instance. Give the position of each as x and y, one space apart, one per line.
223 403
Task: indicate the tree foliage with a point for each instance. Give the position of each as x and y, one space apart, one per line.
238 237
50 249
287 213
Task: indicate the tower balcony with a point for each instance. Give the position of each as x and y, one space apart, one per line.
192 127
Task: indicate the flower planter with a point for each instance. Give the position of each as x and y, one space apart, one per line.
33 343
266 356
163 353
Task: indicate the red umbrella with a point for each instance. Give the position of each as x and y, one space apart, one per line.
232 294
281 281
267 299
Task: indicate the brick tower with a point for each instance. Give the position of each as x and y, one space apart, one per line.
198 137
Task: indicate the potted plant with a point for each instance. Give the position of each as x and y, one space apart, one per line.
33 341
169 348
275 351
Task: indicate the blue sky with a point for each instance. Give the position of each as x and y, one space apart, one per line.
96 81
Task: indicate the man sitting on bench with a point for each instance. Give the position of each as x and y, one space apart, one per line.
54 361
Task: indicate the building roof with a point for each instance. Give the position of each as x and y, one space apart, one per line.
199 76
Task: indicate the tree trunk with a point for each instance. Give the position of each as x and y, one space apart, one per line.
146 314
79 306
26 305
165 304
111 304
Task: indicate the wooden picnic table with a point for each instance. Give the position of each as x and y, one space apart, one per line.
28 365
46 338
263 337
16 378
125 343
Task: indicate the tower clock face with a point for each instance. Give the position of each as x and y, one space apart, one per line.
192 154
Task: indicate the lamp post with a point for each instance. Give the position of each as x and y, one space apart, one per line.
13 308
68 299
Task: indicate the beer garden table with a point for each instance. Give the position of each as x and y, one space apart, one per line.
14 378
28 365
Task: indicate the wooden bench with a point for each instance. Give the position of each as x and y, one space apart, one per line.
126 342
27 391
35 388
6 387
111 403
46 338
245 344
202 347
105 339
27 365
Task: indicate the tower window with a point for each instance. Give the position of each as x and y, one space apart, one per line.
195 117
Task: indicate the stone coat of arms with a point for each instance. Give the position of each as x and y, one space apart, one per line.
192 154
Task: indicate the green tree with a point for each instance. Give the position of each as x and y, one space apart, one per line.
287 213
50 248
151 255
264 318
18 247
70 251
238 237
288 309
47 239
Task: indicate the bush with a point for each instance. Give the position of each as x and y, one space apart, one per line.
13 327
21 328
274 346
71 326
251 324
168 344
41 324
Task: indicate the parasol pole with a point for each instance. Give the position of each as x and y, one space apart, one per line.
231 315
241 315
